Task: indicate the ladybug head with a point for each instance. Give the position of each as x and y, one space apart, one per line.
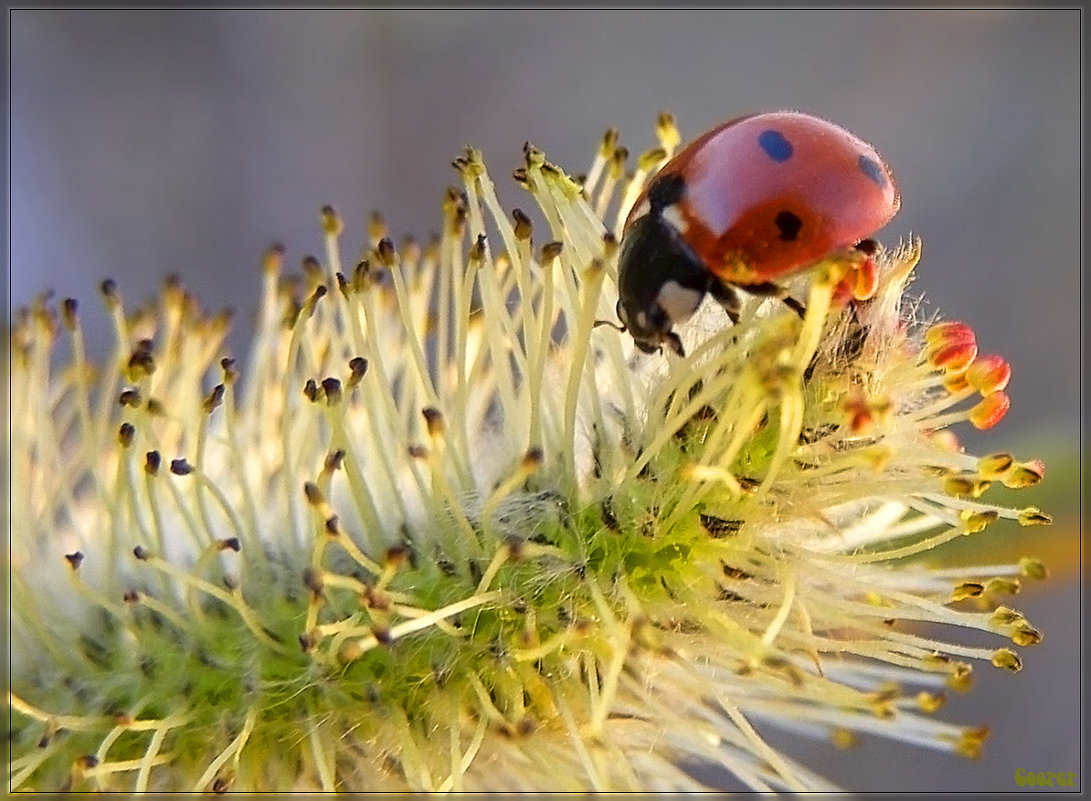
650 331
661 282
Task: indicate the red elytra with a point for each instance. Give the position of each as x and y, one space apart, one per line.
745 174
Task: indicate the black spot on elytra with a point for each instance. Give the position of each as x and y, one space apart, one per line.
873 170
775 145
789 225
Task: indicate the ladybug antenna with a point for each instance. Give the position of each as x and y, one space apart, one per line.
622 329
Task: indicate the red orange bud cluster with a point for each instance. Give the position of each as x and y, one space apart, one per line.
952 348
860 282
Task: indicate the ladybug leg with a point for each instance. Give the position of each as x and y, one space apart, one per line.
771 290
672 341
727 297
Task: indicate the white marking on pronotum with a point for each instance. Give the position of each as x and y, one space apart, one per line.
640 211
677 301
674 218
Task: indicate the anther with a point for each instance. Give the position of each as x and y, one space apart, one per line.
967 589
964 486
1007 659
953 357
332 388
650 159
988 374
331 221
334 460
478 249
87 762
532 155
974 522
550 251
313 493
273 260
519 175
961 678
109 292
666 130
844 738
532 459
609 245
1032 516
930 702
609 142
141 362
310 389
362 276
130 397
69 313
995 465
1026 474
386 252
1030 567
866 282
990 410
433 418
180 467
376 226
617 162
523 226
971 742
358 366
214 399
1026 635
948 333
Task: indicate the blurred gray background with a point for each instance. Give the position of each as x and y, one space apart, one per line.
150 142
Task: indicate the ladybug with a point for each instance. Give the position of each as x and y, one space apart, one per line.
755 199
